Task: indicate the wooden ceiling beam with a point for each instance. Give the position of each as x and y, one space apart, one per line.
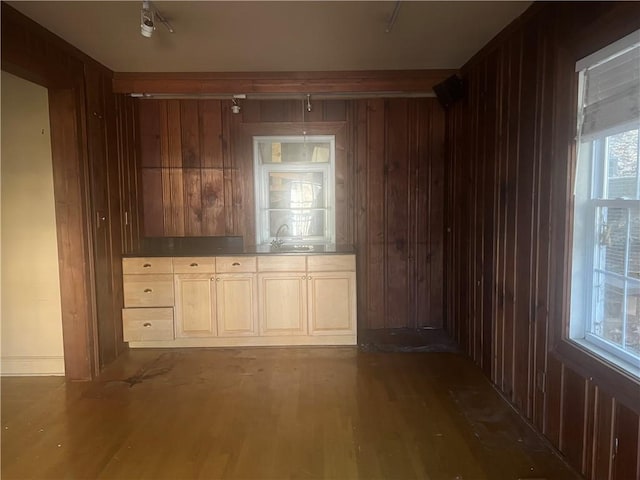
382 81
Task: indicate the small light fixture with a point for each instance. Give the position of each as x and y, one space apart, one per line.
147 20
309 108
148 16
235 107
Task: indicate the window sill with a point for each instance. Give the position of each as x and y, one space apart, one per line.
616 362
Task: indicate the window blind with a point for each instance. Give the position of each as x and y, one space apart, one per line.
610 89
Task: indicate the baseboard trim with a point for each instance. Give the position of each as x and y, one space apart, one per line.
31 366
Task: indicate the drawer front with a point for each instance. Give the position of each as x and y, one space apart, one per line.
147 324
282 263
235 264
194 265
331 263
146 265
148 290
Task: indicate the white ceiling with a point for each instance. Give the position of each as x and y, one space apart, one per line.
216 36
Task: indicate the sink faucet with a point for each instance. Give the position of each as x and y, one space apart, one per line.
277 241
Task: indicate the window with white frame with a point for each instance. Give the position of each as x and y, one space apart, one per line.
294 183
605 288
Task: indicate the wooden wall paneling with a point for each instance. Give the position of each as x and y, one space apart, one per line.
492 125
573 418
175 171
376 218
191 164
228 144
542 222
151 115
522 393
97 120
626 459
431 133
212 182
115 225
396 200
359 133
419 193
603 436
475 223
72 211
511 274
343 191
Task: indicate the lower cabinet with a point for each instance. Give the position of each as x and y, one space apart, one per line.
236 304
236 301
283 303
195 298
332 303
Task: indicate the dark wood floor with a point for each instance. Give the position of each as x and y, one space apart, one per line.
327 413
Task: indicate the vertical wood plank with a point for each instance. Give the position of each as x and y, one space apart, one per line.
396 200
573 416
213 202
211 133
376 213
625 460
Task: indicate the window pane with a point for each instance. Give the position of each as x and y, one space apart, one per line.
612 242
633 317
294 152
608 319
622 166
296 190
299 223
634 244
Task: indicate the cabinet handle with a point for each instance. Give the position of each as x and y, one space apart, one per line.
303 277
193 265
146 265
146 324
147 290
309 278
218 279
235 264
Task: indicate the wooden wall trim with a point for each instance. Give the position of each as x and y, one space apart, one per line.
394 81
73 236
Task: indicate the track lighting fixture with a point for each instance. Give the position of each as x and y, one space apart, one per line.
148 15
309 108
235 107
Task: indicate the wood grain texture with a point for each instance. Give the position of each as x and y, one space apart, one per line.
280 82
510 151
265 413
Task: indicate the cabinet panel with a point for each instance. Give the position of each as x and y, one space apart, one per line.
148 290
283 304
195 305
194 265
146 265
236 302
332 303
147 324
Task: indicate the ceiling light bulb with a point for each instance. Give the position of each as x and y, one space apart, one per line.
147 24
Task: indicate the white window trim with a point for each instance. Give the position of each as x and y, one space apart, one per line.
588 197
261 182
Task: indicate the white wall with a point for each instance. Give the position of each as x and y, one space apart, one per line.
31 325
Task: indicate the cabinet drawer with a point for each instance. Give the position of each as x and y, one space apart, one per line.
194 265
147 265
147 324
282 263
331 263
235 264
148 290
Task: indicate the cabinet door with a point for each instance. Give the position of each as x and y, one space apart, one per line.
236 304
195 305
332 303
283 303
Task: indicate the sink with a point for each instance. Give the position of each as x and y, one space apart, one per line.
292 248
